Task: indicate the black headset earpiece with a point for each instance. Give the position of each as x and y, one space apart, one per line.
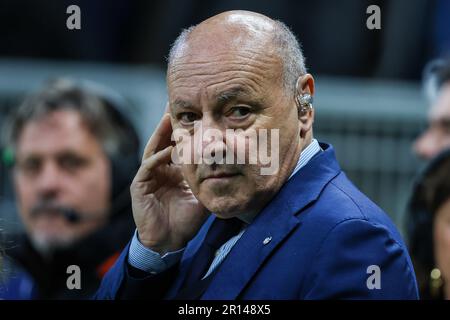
125 164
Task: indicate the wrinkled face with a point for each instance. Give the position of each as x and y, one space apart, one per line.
60 165
442 239
232 86
437 136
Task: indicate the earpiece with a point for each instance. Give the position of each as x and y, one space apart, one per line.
302 100
304 103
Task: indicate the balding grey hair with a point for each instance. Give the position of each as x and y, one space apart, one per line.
286 46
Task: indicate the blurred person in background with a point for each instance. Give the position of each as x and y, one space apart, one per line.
75 155
429 228
437 88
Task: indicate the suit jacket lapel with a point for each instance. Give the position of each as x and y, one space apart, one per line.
257 242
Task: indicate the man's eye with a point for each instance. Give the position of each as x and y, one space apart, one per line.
188 117
71 163
239 112
445 125
30 166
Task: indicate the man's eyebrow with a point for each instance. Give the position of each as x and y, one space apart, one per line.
443 122
222 98
179 104
231 94
70 153
28 156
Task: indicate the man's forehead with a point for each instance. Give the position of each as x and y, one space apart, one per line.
220 97
56 130
233 71
224 57
222 51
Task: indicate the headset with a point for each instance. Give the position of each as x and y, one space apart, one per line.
124 165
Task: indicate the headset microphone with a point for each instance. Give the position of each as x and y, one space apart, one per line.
74 217
71 215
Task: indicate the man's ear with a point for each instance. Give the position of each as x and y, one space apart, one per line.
305 84
306 122
304 93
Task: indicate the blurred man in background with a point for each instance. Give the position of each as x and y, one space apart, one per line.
437 86
429 228
75 155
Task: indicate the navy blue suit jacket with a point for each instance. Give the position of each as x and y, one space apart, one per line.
325 236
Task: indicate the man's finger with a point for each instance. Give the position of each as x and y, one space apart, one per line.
145 170
160 139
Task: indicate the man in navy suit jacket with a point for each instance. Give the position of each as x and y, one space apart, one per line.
215 229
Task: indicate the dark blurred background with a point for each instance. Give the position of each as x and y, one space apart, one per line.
333 33
368 101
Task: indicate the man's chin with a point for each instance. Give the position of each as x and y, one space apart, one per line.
46 244
225 208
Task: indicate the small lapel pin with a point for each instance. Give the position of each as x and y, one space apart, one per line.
267 240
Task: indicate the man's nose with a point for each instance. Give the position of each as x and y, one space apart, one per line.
426 146
49 180
211 138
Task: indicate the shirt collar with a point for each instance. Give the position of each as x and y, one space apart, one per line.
306 155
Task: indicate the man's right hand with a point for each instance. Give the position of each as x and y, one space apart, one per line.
166 212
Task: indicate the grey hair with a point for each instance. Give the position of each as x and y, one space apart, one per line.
66 94
290 52
286 46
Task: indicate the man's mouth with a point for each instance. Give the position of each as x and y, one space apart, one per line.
46 211
219 176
